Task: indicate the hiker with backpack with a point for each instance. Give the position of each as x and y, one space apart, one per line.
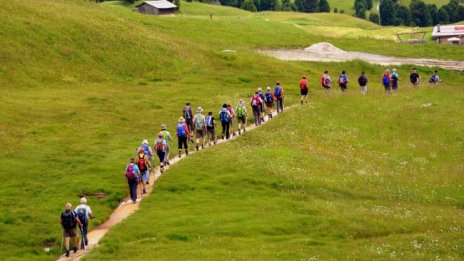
279 97
147 150
343 81
414 78
182 133
241 116
224 118
143 165
362 80
262 106
326 82
255 103
304 90
132 176
435 78
269 101
386 81
200 128
210 128
84 213
160 148
69 222
188 116
168 139
231 111
395 77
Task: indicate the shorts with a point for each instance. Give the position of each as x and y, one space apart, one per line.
199 133
241 120
304 91
69 232
144 174
269 104
342 85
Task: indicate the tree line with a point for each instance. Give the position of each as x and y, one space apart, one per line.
417 14
308 6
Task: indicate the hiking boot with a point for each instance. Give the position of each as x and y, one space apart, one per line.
144 191
222 136
214 143
197 147
161 170
202 147
186 152
239 132
67 253
180 153
75 249
148 182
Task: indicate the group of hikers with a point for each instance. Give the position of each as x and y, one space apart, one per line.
203 129
389 81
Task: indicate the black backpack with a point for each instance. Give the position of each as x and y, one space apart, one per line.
82 215
68 219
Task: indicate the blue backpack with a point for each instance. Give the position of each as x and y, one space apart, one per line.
82 215
386 80
146 149
209 121
268 97
181 130
223 115
277 91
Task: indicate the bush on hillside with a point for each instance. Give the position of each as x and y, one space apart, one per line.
342 11
360 10
324 6
249 5
374 18
335 10
307 6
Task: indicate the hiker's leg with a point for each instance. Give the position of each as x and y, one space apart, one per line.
74 239
223 129
84 233
282 104
228 130
66 242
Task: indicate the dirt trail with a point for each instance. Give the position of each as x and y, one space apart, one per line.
326 52
127 207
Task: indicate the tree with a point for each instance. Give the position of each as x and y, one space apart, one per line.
387 12
307 6
419 13
287 5
360 10
403 13
433 11
369 4
324 6
461 12
268 5
374 18
249 5
443 17
335 10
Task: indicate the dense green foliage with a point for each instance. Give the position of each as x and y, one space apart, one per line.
307 6
324 6
387 12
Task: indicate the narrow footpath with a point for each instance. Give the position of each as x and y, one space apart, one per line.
127 207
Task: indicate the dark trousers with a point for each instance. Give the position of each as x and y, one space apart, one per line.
161 155
182 141
85 241
280 104
225 129
133 188
256 115
189 123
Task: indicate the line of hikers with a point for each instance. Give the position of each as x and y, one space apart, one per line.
389 81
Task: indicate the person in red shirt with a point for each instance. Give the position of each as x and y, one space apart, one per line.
304 90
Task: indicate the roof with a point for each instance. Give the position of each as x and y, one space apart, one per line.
160 4
448 30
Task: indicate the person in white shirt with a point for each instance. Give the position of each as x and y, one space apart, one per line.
84 213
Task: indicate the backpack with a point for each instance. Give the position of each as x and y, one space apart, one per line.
82 215
159 146
199 122
141 162
327 82
362 80
223 117
433 79
146 149
268 97
68 219
386 79
187 113
277 91
209 121
394 77
181 130
240 111
130 173
255 101
342 79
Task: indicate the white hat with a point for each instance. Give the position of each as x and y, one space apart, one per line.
199 109
259 89
268 88
83 200
145 141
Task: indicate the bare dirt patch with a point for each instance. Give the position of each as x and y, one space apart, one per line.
326 52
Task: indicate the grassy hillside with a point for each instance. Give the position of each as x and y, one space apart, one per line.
82 84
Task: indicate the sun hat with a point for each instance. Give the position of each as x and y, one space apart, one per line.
83 200
200 109
268 88
181 119
160 135
259 89
145 141
163 126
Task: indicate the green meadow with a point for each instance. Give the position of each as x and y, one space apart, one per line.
345 176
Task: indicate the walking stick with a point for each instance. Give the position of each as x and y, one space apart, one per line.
62 240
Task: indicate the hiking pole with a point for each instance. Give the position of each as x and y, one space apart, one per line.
62 240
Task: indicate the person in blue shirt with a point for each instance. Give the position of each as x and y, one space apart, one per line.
132 176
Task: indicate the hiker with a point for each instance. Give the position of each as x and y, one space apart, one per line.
160 148
231 111
343 81
69 222
132 176
435 78
279 97
224 118
255 103
269 100
143 165
188 116
241 116
414 78
168 138
326 82
395 77
182 133
200 128
362 80
84 213
304 90
210 128
147 150
386 81
262 106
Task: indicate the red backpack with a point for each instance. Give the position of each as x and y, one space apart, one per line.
141 162
159 145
